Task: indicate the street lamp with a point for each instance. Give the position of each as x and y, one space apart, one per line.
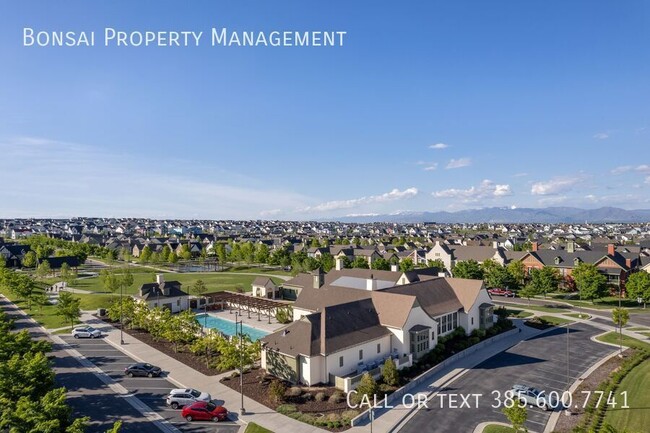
242 411
121 315
205 313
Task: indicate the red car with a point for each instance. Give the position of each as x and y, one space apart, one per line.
502 292
204 411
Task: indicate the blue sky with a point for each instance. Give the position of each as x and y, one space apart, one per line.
530 104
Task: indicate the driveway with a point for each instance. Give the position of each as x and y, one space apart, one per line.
540 361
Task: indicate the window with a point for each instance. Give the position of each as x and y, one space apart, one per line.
340 361
455 321
178 302
378 348
360 354
472 320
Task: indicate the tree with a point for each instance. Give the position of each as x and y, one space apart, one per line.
360 263
173 258
517 272
109 280
469 269
207 346
145 255
381 264
234 354
590 283
437 263
277 389
30 260
198 288
164 254
517 415
620 316
117 426
22 286
390 373
125 308
528 292
406 265
222 256
638 286
43 269
326 261
262 253
68 307
367 388
180 328
496 275
544 280
40 299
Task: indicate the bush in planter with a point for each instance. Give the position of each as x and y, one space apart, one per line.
294 391
286 409
277 391
389 373
335 398
320 396
348 415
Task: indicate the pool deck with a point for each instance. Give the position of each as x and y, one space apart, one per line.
262 324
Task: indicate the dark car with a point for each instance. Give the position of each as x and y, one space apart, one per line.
204 411
142 369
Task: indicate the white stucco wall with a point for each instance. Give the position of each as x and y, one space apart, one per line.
418 317
298 313
351 356
475 313
311 370
442 255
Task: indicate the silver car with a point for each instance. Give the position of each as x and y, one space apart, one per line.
86 332
531 396
182 397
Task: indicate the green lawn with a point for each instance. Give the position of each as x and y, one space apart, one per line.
214 281
45 315
555 320
496 428
614 338
603 303
583 316
518 313
647 334
255 428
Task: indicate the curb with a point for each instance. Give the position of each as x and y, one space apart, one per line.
479 428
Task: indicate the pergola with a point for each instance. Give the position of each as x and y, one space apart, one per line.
239 302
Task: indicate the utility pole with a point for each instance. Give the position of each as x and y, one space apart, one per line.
240 322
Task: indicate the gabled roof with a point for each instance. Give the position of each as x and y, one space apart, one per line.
435 296
154 290
263 282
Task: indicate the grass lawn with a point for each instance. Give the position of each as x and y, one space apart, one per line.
518 313
538 308
214 281
45 315
647 334
603 303
496 428
584 316
255 428
555 320
614 338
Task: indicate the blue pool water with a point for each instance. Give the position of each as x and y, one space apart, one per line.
227 327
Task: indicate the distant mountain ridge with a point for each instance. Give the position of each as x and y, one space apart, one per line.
512 215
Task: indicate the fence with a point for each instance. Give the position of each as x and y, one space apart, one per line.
395 398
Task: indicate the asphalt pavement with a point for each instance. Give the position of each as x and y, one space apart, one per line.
540 362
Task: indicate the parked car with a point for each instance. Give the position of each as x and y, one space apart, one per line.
86 332
184 397
502 292
142 369
531 396
204 411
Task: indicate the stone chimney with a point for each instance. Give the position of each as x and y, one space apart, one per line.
160 278
371 283
495 244
318 278
339 264
323 333
570 247
628 263
394 268
534 245
611 249
165 289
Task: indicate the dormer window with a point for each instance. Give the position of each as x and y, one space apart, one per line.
557 260
576 261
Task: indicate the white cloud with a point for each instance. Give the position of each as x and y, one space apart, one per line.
520 175
392 195
647 180
601 136
486 189
554 186
439 146
459 163
270 212
643 168
431 167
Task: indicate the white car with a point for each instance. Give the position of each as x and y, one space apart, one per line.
86 332
185 396
527 395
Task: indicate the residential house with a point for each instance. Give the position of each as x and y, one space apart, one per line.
265 288
164 294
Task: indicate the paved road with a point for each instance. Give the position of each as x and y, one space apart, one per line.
90 396
539 362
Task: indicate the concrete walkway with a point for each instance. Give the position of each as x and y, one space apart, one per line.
186 377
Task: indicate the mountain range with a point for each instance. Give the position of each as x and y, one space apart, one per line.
511 215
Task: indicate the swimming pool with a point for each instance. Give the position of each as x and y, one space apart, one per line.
228 327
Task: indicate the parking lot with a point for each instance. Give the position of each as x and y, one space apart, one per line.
150 391
540 362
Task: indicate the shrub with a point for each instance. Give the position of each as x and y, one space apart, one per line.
320 396
307 418
389 373
286 409
284 315
367 387
335 398
347 415
277 391
307 396
234 375
294 391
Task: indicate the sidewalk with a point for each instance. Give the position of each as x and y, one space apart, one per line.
186 377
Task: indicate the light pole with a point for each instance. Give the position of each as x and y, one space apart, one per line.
242 411
205 314
121 315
